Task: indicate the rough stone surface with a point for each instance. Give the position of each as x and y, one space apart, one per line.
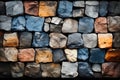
46 27
79 4
56 20
55 28
78 13
92 3
2 8
96 67
69 70
116 40
48 19
2 55
1 38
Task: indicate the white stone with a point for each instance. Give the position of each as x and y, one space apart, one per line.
56 20
92 2
79 3
78 12
46 27
96 67
48 20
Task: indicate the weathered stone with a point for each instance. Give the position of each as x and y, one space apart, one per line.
34 23
116 40
71 54
74 40
1 38
97 55
92 3
40 39
2 8
101 25
10 40
90 40
48 19
46 27
79 4
56 20
96 67
55 28
43 55
32 70
26 55
105 40
51 70
47 8
70 26
69 70
14 8
57 40
78 13
5 23
86 25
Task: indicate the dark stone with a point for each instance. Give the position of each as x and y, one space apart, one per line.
2 55
2 8
116 40
1 38
55 28
97 75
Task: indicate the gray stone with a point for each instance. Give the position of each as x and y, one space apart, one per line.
97 75
46 27
116 40
78 13
96 67
55 28
48 20
79 4
56 20
2 8
92 2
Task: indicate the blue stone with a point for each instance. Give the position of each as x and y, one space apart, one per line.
86 25
40 39
34 23
97 55
65 9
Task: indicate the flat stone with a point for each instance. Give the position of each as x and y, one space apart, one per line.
52 70
70 26
96 67
10 40
90 40
57 40
14 8
34 23
86 25
74 40
97 55
69 70
65 9
78 13
43 55
46 27
47 8
56 20
116 40
26 55
92 3
5 23
40 39
105 40
79 3
2 8
48 19
1 38
83 54
55 28
71 54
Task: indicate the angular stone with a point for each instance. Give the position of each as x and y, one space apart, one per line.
96 67
5 23
14 8
92 3
74 40
86 25
51 70
101 25
34 23
116 40
65 9
43 55
48 19
83 54
10 40
1 38
2 8
70 26
46 27
90 40
55 28
56 20
78 13
26 55
31 7
40 39
57 40
79 4
105 40
71 54
97 55
69 70
47 8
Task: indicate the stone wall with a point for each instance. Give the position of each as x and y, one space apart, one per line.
60 39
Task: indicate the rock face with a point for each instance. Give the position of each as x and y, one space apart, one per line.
116 40
56 20
2 8
69 70
47 8
96 67
79 4
55 28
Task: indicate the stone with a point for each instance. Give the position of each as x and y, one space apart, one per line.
97 55
97 75
65 9
17 69
83 54
25 39
113 23
31 7
10 40
26 55
78 13
47 8
69 70
70 26
116 40
48 19
79 4
55 28
56 20
32 70
2 8
96 67
90 40
92 3
40 39
46 27
34 23
1 38
75 40
86 25
5 23
71 54
52 70
84 70
101 25
18 23
43 55
14 8
57 40
111 69
105 40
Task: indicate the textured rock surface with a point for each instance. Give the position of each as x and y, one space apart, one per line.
48 19
96 67
2 8
55 28
2 55
56 20
78 13
79 4
116 40
46 27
